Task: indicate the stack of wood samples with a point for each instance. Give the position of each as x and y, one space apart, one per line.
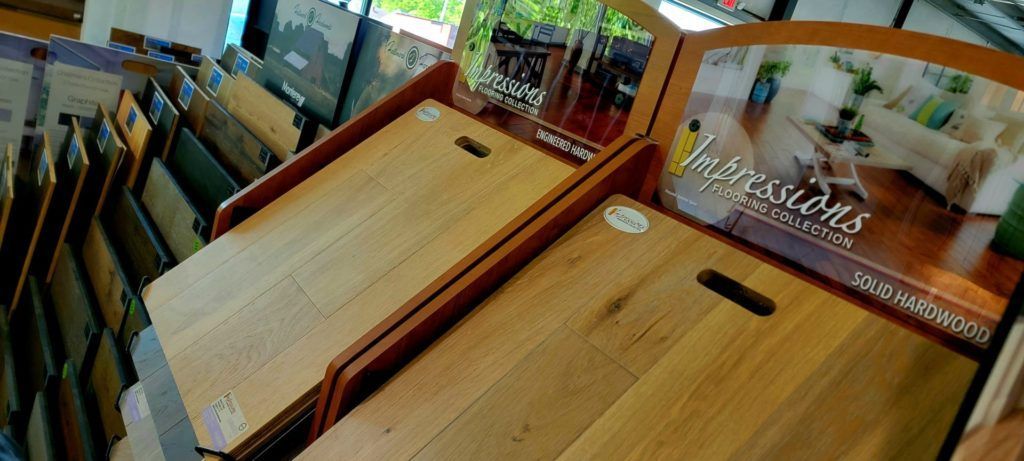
136 131
664 344
256 316
190 101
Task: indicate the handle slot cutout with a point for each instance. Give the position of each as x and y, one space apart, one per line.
475 148
757 303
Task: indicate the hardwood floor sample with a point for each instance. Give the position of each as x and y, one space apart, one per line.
72 172
42 183
105 150
236 58
201 176
106 382
75 426
215 82
40 439
237 149
281 127
36 344
136 130
380 229
135 239
110 284
547 401
177 219
163 117
816 379
190 101
7 174
77 317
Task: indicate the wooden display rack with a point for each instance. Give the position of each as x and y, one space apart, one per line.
634 172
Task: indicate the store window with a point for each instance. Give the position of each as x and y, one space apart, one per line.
236 25
434 20
688 18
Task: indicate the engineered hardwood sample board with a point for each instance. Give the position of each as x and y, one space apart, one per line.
7 175
105 150
215 82
72 171
177 219
76 313
110 283
606 346
40 435
42 182
201 177
106 382
75 427
190 101
135 239
280 126
136 131
262 310
163 117
235 147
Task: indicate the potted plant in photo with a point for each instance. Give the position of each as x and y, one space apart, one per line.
836 60
863 85
960 84
769 81
846 116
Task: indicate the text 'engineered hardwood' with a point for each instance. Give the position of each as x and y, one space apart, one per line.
608 346
261 311
136 130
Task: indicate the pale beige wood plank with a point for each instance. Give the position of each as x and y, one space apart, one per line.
135 131
107 283
172 212
277 124
543 404
215 82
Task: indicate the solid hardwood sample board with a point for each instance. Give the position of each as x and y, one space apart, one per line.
606 346
164 118
75 427
37 350
215 81
76 312
201 176
11 405
280 126
72 170
110 283
136 131
190 101
40 435
105 152
42 182
7 175
177 219
237 149
311 273
107 381
135 239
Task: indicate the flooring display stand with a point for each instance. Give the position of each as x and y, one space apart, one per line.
340 235
682 298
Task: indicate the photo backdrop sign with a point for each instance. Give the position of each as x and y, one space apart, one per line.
308 55
895 179
561 74
22 64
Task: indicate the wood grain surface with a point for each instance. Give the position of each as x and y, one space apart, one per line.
110 283
194 113
78 319
72 171
142 250
177 219
313 271
136 137
201 176
7 178
41 184
675 371
105 150
280 126
165 126
40 435
209 73
235 147
75 427
234 56
106 382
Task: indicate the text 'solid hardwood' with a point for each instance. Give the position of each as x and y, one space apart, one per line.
576 358
312 272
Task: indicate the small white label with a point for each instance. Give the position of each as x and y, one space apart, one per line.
224 421
428 114
627 220
135 407
214 84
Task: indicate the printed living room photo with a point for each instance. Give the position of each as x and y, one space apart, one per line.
901 175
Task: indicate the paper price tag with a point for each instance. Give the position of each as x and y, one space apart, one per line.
136 406
224 421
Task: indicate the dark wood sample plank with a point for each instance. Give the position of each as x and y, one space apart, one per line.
72 168
75 310
240 151
75 427
163 116
105 150
134 237
11 404
42 181
201 176
38 354
107 381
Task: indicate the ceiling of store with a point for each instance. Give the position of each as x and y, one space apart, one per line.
999 21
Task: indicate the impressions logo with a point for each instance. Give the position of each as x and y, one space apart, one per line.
627 220
311 17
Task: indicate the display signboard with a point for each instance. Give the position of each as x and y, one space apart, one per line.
562 75
22 63
884 176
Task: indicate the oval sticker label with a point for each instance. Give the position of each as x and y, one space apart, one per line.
627 220
428 114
